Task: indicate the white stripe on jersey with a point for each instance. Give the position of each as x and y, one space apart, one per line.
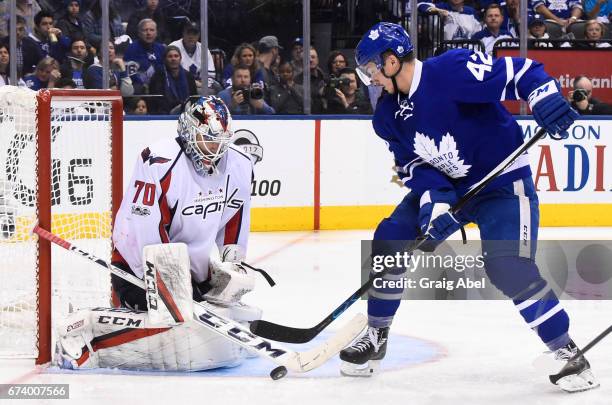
520 74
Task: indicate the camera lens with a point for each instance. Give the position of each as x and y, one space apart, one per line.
579 95
256 92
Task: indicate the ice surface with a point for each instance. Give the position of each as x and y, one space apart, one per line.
471 352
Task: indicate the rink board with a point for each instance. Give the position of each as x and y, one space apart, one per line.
335 173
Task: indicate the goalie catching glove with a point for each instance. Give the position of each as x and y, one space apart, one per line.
229 280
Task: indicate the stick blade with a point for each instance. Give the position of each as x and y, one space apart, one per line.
282 333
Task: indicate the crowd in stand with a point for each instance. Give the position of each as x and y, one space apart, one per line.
59 44
156 63
490 21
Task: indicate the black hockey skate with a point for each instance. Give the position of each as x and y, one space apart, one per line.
363 357
576 374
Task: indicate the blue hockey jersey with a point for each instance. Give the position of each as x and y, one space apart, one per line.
451 129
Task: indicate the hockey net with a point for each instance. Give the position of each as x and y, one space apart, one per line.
60 166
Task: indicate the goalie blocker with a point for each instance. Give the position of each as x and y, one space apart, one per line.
164 337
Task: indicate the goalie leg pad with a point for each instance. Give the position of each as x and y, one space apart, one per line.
124 339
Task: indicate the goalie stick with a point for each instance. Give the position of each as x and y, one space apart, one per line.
289 334
205 315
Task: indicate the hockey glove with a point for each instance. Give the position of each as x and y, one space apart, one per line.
435 219
551 111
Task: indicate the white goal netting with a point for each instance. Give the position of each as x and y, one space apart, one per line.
81 196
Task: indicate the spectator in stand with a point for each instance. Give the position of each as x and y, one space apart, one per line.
335 63
492 30
65 83
268 48
563 12
118 78
244 55
173 82
48 38
297 52
46 74
287 97
346 97
191 53
153 11
598 9
594 31
144 55
5 71
140 107
537 30
76 63
92 23
4 20
581 98
28 51
136 106
317 82
28 10
70 23
459 20
511 12
244 98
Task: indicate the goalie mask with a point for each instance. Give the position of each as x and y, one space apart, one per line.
205 132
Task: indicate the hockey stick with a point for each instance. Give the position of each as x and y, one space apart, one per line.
289 334
205 315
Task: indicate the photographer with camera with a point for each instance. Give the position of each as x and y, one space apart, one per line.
243 97
582 100
287 96
343 96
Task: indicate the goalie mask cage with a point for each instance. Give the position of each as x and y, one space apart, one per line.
61 166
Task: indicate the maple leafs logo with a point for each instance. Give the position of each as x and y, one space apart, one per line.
444 158
374 35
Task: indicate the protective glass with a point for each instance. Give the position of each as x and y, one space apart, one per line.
365 72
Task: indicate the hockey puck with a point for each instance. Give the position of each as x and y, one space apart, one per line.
278 373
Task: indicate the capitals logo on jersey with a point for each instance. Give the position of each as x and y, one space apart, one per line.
206 205
148 157
445 158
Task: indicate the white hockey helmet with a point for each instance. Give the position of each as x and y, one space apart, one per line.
205 131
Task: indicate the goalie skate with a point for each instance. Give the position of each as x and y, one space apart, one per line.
362 359
576 374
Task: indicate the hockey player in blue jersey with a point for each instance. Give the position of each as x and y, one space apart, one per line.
443 121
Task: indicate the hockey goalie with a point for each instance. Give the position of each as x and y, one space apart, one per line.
183 227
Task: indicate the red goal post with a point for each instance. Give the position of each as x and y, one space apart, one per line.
45 99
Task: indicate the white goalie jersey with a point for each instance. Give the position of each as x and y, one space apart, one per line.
167 201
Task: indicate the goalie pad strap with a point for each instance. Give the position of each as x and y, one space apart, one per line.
115 339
